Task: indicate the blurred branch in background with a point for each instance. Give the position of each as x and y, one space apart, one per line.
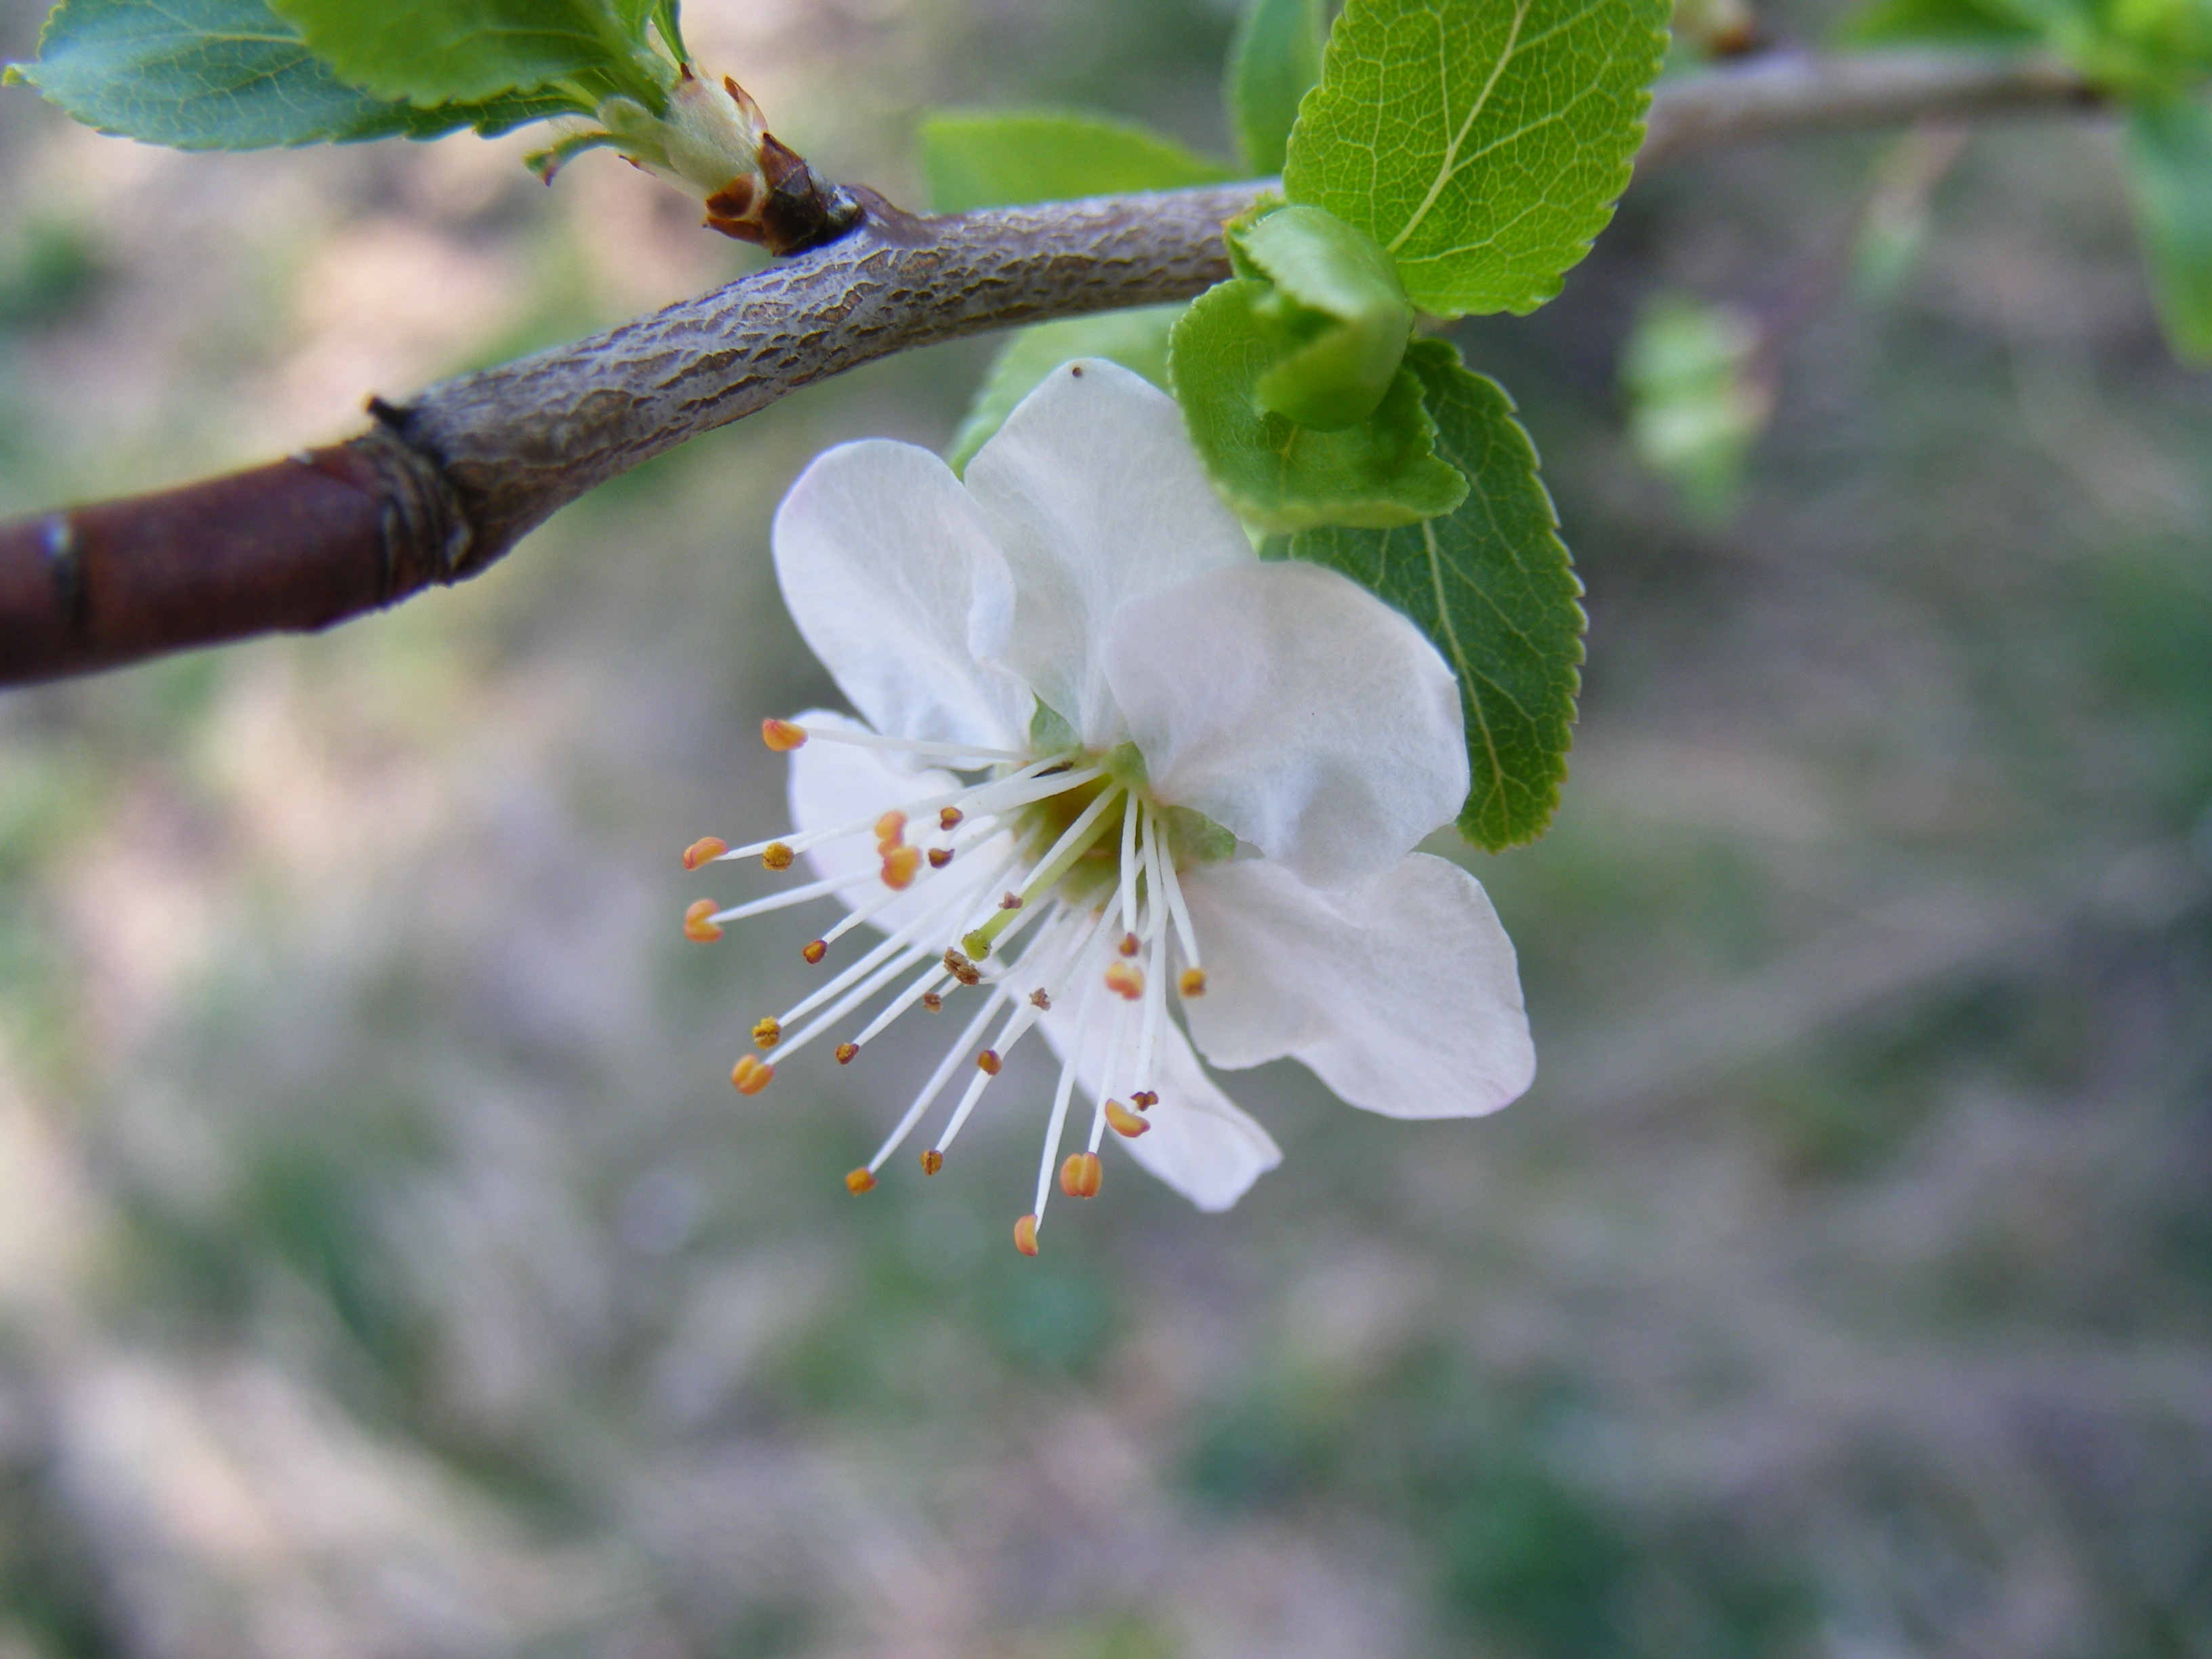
445 486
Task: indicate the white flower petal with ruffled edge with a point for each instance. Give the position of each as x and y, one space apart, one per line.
893 574
1095 497
834 783
1199 1142
1401 993
1292 706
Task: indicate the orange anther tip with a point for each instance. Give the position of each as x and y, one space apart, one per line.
752 1082
940 857
768 1033
777 856
783 736
706 847
932 1161
900 864
1125 979
1125 1121
859 1182
1025 1235
1079 1176
816 951
988 1063
1193 983
845 1051
949 818
1143 1100
891 830
695 925
1128 944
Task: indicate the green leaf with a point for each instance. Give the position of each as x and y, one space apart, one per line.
2169 164
1273 63
1492 585
1337 316
1006 158
1484 145
226 75
1137 339
437 51
1694 405
1953 23
1282 476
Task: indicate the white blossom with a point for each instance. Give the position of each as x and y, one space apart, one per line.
1105 753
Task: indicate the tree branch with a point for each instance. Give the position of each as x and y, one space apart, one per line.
439 489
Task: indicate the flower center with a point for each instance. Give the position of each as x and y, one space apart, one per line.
1055 876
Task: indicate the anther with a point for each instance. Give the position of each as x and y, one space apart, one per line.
932 1161
1041 999
948 818
891 830
1128 944
816 951
783 736
768 1033
961 969
1193 983
859 1181
1125 1121
1143 1100
1012 902
750 1077
1025 1235
1079 1176
988 1063
695 925
900 864
1125 979
776 856
932 1002
706 847
940 857
845 1051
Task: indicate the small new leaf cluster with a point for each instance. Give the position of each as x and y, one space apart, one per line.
1438 157
261 73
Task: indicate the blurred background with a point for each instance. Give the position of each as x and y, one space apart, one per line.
386 1267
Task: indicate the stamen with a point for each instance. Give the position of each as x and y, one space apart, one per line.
777 856
932 1161
845 1051
1012 902
1042 1001
988 1063
785 735
1186 935
1156 1004
949 818
900 866
766 1034
699 923
1125 1121
1193 983
960 968
1128 868
949 906
1125 979
937 1079
750 1077
706 847
1083 976
812 890
965 884
891 831
932 1002
1069 847
815 952
1114 1033
1143 1100
940 857
853 998
1058 949
1079 1176
1015 789
859 1181
1128 944
1025 1235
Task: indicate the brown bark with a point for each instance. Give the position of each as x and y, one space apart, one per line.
442 487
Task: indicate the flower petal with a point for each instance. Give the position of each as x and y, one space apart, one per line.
1289 704
1095 497
1200 1143
890 571
1401 993
833 783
